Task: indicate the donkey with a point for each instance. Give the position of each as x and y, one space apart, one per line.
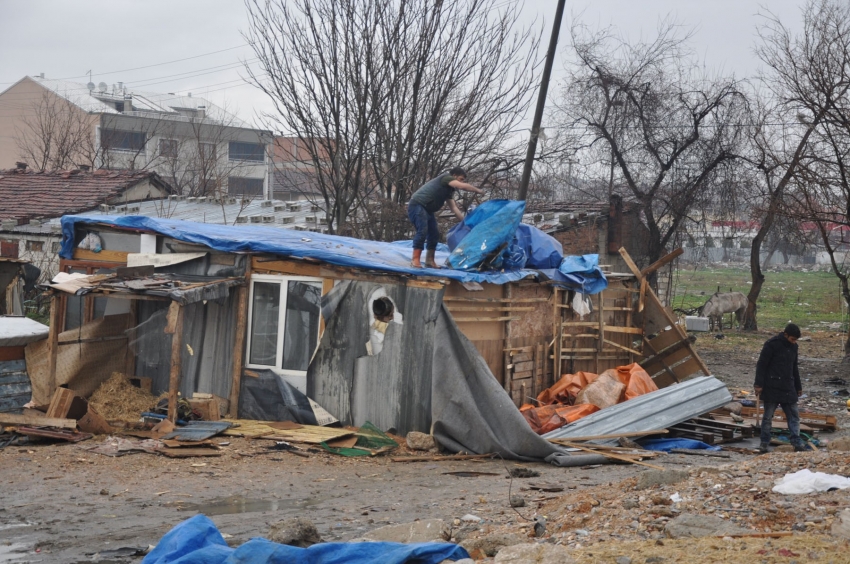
721 303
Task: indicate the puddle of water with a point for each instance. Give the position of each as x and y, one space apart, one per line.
239 504
5 526
14 552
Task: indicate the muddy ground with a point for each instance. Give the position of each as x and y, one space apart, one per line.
59 503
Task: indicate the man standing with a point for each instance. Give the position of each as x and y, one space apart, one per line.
427 201
778 383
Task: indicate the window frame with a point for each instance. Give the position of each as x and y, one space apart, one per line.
261 182
246 156
174 148
283 280
108 135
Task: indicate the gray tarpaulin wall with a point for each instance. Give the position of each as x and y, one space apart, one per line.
428 375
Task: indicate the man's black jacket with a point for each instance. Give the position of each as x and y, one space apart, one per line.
777 373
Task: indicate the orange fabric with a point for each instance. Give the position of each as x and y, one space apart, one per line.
635 378
551 417
564 390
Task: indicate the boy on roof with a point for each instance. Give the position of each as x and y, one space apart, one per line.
427 201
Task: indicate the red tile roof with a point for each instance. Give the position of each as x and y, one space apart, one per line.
26 195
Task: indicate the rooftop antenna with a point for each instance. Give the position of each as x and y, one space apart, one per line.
90 85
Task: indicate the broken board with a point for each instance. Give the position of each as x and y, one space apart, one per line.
311 434
251 429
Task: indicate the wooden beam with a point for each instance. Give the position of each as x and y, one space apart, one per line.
53 341
623 347
474 308
495 300
627 258
609 454
175 327
130 356
37 421
661 262
102 256
238 351
472 319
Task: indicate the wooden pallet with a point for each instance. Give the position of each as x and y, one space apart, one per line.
712 431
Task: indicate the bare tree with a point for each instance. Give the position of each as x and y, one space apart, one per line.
392 93
55 134
659 128
814 69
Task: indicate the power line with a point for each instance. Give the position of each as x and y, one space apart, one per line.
149 66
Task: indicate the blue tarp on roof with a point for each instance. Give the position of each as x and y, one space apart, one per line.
330 249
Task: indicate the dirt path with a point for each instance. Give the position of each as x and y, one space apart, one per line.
59 503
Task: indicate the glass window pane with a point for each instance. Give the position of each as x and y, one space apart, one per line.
265 309
301 326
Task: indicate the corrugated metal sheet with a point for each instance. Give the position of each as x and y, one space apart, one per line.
655 410
199 430
15 389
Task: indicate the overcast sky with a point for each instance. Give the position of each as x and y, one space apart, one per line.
195 46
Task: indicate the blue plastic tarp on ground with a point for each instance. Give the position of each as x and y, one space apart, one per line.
198 541
330 249
665 445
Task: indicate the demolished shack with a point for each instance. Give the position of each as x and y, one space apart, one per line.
346 322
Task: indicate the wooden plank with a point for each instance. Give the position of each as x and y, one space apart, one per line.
687 368
642 297
297 268
494 300
238 350
473 319
619 346
525 366
129 354
476 308
665 339
12 353
611 436
629 330
102 256
523 375
176 350
661 262
53 340
608 454
522 356
37 421
630 263
310 434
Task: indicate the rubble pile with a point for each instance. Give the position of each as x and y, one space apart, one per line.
734 499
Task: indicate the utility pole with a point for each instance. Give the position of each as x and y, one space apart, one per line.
541 101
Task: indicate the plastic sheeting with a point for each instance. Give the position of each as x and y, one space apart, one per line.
269 397
489 236
805 481
198 541
331 249
428 377
666 445
584 270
